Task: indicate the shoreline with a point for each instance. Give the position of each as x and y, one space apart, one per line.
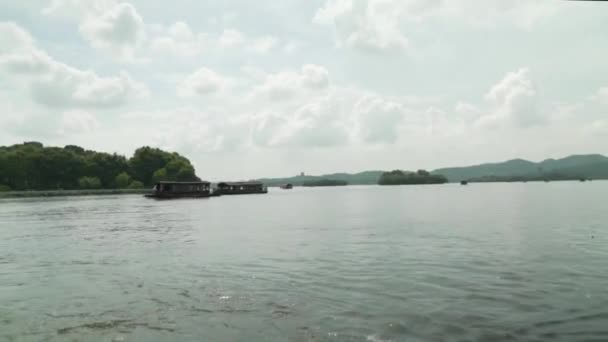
66 193
106 192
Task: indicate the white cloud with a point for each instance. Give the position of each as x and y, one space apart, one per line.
466 110
179 40
78 122
522 13
77 8
263 45
261 92
314 76
378 119
597 127
11 116
119 29
378 25
515 98
14 38
231 38
314 124
335 117
204 81
601 96
287 84
367 25
291 47
55 84
69 87
193 130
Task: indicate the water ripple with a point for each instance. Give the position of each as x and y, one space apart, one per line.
365 264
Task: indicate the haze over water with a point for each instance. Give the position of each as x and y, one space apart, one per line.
487 262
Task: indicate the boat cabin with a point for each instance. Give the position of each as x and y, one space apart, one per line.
180 190
238 188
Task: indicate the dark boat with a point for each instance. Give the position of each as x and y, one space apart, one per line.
287 186
241 188
171 190
464 182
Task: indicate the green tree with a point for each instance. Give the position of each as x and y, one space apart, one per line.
122 180
89 183
160 175
186 174
33 166
136 185
4 188
146 161
398 177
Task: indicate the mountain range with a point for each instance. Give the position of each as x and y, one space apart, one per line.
575 166
593 166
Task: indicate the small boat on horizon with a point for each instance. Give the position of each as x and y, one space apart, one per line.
287 186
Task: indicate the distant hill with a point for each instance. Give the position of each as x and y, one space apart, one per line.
593 166
585 166
361 178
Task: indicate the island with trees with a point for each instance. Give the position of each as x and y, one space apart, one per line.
399 177
33 166
324 182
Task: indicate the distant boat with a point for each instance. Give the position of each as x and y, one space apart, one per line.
241 188
172 190
287 186
582 180
464 182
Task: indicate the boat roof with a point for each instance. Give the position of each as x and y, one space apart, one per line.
240 183
185 183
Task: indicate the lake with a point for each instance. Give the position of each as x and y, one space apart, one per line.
483 262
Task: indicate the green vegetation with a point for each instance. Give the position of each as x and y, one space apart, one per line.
136 185
362 178
325 182
150 165
32 166
89 183
575 167
530 178
398 177
123 180
593 166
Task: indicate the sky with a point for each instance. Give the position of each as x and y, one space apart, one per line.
248 89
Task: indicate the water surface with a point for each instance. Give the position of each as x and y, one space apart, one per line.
484 262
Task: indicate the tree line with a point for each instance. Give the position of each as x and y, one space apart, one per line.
33 166
324 182
398 177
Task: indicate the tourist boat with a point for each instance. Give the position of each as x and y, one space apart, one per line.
170 190
287 186
241 188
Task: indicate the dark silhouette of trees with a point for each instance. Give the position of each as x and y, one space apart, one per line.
325 182
398 177
32 166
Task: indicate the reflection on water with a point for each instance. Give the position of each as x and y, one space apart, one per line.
490 262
